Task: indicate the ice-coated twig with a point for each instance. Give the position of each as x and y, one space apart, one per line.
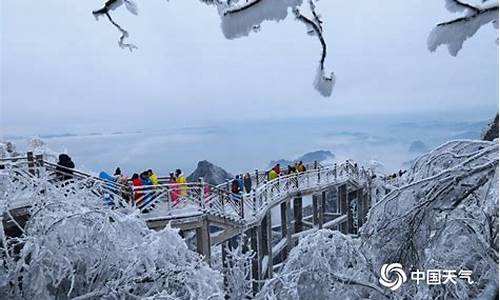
109 5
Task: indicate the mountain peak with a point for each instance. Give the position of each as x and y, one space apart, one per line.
211 173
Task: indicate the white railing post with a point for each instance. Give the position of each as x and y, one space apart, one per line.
202 194
254 198
242 205
169 198
319 176
31 162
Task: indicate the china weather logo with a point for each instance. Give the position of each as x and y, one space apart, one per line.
394 271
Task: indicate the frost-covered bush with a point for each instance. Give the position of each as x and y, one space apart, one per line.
237 270
72 246
445 217
39 147
324 265
8 149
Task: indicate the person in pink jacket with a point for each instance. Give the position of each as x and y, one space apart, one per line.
174 190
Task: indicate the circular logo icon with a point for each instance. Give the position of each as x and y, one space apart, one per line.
394 271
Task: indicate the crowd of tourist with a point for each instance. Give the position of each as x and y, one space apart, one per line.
142 188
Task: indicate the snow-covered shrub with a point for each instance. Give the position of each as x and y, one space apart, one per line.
8 149
324 265
39 147
237 271
445 217
75 247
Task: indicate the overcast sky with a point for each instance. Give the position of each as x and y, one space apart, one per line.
63 71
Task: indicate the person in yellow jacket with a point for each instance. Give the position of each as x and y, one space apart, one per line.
272 175
153 177
181 180
301 167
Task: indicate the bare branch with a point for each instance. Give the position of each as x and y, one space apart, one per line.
319 33
465 5
477 13
317 19
124 33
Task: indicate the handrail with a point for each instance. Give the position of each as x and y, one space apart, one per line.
212 199
239 206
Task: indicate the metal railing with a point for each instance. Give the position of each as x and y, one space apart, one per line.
167 198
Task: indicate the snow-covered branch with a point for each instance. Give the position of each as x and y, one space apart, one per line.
112 5
239 18
324 84
454 33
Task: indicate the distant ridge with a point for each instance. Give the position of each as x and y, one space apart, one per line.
310 157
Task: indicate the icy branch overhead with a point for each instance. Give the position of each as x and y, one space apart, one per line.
239 18
454 33
113 5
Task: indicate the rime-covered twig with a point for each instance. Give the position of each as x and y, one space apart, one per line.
124 33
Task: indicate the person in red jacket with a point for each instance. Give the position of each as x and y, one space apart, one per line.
137 182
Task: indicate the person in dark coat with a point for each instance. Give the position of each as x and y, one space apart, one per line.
247 183
65 166
235 185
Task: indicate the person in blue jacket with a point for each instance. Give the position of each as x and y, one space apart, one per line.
149 192
240 182
108 197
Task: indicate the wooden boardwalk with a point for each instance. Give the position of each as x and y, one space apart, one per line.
339 196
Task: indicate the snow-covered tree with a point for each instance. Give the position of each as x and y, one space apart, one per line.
73 247
444 216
